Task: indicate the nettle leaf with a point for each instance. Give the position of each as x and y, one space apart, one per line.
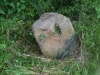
22 6
98 11
1 11
9 11
1 65
7 56
19 9
1 59
2 46
12 4
18 4
2 18
98 15
6 2
22 1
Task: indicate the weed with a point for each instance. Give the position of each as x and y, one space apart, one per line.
19 51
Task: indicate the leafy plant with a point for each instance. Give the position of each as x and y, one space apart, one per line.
42 36
19 51
57 29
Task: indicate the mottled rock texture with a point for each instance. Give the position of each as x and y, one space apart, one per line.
53 42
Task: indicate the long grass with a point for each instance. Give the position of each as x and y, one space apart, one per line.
20 53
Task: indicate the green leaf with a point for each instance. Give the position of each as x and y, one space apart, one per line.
1 11
1 59
18 3
2 18
6 2
7 56
1 65
22 6
19 9
22 1
2 46
97 9
98 15
12 4
9 11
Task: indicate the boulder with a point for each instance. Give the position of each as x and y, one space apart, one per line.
55 35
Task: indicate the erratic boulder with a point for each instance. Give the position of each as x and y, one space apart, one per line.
55 35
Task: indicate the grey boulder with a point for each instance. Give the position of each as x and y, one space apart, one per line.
55 35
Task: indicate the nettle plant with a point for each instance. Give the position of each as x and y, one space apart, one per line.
10 7
42 36
57 31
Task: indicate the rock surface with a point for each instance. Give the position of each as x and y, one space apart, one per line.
54 44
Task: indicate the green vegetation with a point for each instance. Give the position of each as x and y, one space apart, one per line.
19 51
42 36
57 29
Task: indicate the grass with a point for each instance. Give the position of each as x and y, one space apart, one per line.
20 53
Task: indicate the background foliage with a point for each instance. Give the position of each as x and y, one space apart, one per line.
19 52
32 9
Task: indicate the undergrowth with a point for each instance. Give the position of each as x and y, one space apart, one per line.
20 53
